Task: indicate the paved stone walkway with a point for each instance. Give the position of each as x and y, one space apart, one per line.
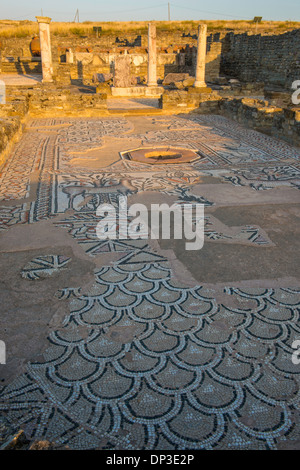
20 80
140 344
132 103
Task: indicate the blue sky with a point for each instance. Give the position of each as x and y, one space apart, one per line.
131 10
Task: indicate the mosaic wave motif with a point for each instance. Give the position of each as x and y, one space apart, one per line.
144 363
140 361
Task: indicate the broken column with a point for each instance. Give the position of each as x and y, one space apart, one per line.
69 56
44 32
201 57
152 80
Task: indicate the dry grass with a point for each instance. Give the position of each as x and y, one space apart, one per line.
19 29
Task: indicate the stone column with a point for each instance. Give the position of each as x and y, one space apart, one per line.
201 56
152 80
44 31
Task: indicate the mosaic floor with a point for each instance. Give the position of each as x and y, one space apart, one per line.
129 349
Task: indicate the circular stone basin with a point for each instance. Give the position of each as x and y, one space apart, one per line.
162 155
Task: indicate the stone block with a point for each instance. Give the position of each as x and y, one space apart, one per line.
97 60
84 58
175 77
102 77
103 88
188 82
122 75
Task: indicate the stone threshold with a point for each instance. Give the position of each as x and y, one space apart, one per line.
137 91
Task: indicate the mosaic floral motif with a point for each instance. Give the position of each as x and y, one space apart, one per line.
44 266
82 227
261 178
186 196
89 191
142 362
273 147
220 142
249 235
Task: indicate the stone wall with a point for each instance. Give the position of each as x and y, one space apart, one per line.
51 101
12 117
283 123
188 100
16 108
87 64
10 130
274 60
176 53
19 47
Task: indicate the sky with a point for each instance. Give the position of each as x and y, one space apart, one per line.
135 10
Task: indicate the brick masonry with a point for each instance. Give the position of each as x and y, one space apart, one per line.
274 60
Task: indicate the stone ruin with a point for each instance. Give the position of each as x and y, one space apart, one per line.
200 76
122 74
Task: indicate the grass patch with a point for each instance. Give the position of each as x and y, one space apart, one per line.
22 29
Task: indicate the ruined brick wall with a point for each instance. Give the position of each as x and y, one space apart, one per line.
87 64
274 60
12 117
52 101
282 123
10 129
19 47
190 100
176 53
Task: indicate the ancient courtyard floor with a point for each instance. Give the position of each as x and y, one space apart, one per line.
140 344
